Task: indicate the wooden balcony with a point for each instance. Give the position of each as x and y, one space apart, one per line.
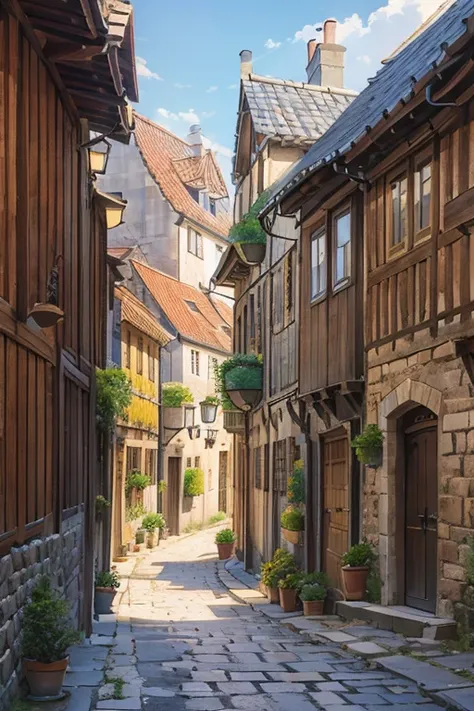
234 421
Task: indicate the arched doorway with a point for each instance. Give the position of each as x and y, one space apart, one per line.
420 486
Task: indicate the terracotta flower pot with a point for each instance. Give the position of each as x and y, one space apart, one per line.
103 600
354 581
273 595
312 608
225 550
45 680
291 536
287 599
254 253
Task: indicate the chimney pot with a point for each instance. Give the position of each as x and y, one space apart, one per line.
245 63
195 140
330 27
312 44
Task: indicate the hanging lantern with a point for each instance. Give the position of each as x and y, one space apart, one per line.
99 156
114 206
209 409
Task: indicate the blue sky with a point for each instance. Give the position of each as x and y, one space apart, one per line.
188 52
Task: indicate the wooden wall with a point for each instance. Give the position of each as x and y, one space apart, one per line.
47 404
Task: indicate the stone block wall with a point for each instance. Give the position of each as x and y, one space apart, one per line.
436 378
59 556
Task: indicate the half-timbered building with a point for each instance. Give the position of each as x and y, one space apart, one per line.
386 201
65 68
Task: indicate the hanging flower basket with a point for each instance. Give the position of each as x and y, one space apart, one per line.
369 446
244 385
249 236
253 252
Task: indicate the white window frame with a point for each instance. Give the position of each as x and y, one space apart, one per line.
346 278
319 269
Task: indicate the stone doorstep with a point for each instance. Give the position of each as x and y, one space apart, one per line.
403 620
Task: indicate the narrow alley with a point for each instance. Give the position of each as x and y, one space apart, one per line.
182 642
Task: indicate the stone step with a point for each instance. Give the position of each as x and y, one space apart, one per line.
400 619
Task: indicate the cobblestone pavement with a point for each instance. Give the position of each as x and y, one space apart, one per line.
183 643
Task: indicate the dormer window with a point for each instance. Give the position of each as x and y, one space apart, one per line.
194 194
192 306
212 206
227 330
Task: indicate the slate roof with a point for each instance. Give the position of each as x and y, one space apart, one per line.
393 83
162 151
202 324
137 314
293 111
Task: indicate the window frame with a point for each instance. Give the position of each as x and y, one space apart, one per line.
422 160
151 363
314 234
195 368
346 208
140 355
399 173
195 243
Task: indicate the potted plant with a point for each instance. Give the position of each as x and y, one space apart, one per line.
225 540
243 379
47 635
150 523
248 235
288 590
114 396
193 482
136 480
292 523
312 597
209 409
355 570
175 398
369 446
281 564
106 583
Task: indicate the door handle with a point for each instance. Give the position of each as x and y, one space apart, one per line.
433 517
424 520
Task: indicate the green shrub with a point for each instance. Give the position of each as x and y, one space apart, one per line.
114 395
315 578
134 512
359 555
281 565
292 519
136 480
107 579
193 482
249 228
176 395
152 521
222 369
244 378
296 484
162 486
225 536
312 593
47 630
217 518
368 444
292 581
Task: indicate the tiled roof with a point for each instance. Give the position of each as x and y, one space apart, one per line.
224 310
160 150
137 314
293 111
201 324
393 83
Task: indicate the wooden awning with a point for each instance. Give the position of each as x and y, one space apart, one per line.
231 268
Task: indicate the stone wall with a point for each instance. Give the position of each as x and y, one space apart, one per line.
59 556
436 378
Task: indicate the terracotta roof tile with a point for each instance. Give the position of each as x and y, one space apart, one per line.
137 314
224 310
187 308
161 150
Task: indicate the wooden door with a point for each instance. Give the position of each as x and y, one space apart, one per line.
173 494
335 505
223 464
421 496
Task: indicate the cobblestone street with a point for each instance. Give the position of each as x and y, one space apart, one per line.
184 643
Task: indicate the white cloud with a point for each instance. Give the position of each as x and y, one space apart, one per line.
270 44
212 89
167 114
144 71
364 58
189 116
182 86
217 147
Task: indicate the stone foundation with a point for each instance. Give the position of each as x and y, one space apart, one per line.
438 380
59 556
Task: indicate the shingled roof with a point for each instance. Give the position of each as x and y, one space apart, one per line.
293 111
186 308
137 314
392 86
163 154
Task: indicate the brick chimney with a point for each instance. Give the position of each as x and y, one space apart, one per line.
326 59
194 139
245 63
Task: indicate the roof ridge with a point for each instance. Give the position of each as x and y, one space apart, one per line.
302 85
161 128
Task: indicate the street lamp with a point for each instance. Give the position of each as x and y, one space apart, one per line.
99 157
114 206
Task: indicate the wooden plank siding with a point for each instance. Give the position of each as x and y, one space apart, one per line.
48 452
427 284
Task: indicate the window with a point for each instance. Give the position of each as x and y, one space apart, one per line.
133 459
266 467
151 364
192 305
189 462
399 222
151 464
128 349
258 468
212 206
279 466
277 300
140 356
195 362
342 248
194 194
195 245
422 197
318 263
197 462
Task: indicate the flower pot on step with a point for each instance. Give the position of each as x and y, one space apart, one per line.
287 599
103 600
312 608
273 595
354 581
225 550
45 680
